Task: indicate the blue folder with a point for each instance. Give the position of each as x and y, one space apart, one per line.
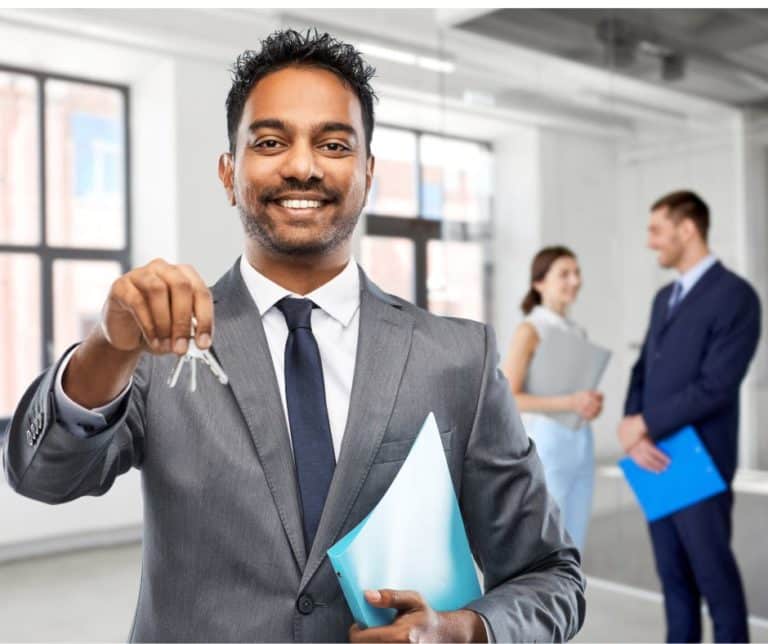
414 539
690 477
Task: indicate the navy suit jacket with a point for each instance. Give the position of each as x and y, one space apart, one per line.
692 364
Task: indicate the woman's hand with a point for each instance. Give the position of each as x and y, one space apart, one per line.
587 404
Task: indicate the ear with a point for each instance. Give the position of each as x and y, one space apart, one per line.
226 176
687 229
370 164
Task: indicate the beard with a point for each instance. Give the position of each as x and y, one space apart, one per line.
261 228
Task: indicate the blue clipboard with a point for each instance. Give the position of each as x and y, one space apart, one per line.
691 476
414 539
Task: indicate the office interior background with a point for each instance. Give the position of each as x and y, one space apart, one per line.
498 131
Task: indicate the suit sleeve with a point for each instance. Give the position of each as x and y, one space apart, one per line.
534 588
731 347
44 460
634 400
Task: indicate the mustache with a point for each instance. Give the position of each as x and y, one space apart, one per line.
295 185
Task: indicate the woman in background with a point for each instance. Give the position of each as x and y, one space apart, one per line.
566 454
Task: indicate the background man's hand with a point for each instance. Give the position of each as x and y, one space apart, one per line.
631 430
150 309
417 622
648 456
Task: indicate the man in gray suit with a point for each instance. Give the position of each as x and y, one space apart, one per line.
247 485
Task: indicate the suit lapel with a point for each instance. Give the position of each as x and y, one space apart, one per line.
699 287
384 342
241 346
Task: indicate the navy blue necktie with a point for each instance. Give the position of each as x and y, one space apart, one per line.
674 299
307 413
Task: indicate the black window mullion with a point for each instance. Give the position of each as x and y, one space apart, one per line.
419 245
46 267
127 177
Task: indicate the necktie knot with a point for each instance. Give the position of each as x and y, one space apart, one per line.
297 312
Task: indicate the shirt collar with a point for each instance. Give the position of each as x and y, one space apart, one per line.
695 273
339 297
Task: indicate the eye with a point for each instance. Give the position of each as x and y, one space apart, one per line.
267 144
334 146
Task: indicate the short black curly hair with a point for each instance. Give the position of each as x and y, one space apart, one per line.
288 47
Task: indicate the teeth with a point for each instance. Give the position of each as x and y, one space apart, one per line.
300 203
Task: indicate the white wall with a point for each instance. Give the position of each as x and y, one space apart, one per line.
209 235
755 166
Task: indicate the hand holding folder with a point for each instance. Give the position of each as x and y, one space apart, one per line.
691 476
414 539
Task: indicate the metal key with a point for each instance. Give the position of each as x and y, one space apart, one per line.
192 356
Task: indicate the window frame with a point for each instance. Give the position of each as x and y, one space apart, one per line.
420 229
47 254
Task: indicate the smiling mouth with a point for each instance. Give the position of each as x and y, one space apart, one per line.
300 204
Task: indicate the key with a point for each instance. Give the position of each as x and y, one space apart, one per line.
194 355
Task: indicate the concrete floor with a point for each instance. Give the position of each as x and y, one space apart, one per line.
90 596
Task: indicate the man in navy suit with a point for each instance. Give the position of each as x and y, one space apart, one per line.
703 333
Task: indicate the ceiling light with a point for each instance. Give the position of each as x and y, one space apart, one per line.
407 58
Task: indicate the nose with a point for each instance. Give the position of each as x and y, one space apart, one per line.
300 163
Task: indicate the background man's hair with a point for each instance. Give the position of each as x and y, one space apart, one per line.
289 48
685 204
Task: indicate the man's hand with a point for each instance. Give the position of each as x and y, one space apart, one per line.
648 456
631 430
417 622
150 308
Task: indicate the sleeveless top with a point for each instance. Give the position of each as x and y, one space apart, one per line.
544 319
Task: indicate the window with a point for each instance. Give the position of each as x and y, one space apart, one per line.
428 221
64 216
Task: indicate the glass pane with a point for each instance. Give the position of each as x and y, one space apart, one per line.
20 330
393 191
79 290
455 284
19 172
389 263
85 155
456 179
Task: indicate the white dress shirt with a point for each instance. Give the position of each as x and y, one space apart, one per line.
335 326
688 279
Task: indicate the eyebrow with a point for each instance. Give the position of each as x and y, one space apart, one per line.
323 128
272 124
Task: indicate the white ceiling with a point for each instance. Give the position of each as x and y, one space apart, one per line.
524 85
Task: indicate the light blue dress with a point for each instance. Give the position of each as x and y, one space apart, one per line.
568 455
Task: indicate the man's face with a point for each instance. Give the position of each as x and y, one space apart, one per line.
666 237
300 176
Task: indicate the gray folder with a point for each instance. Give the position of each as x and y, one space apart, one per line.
564 363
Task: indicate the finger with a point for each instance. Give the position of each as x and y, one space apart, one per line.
400 600
155 293
130 298
650 461
377 634
658 457
202 307
181 297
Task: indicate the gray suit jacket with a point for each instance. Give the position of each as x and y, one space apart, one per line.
223 553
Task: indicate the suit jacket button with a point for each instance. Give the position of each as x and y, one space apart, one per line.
305 604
